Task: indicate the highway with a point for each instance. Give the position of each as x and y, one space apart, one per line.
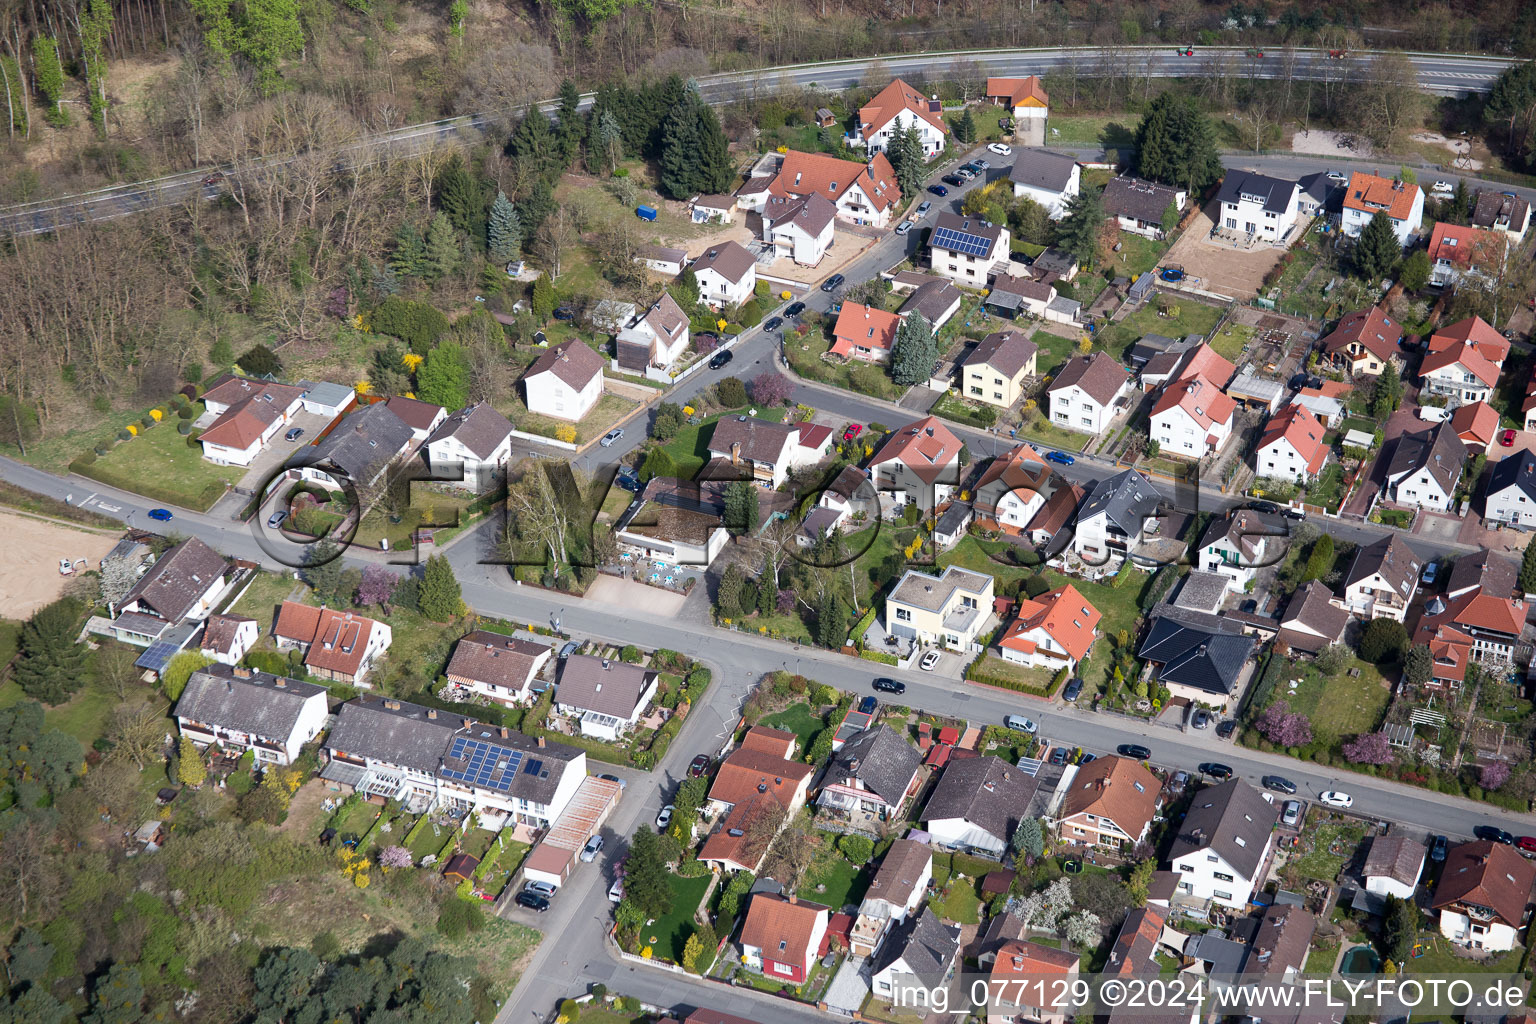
1439 73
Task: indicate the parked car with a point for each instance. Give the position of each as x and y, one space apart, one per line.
938 190
277 518
903 227
832 283
698 766
1059 457
1266 507
1493 834
664 818
794 309
1020 723
923 207
1178 782
1526 843
1226 728
1215 770
628 480
1337 176
590 851
565 313
999 149
1507 439
294 434
1290 815
719 359
545 889
1073 690
613 435
1430 572
1086 758
1134 751
773 323
973 168
616 891
1334 798
1294 513
853 431
1201 719
964 174
1443 187
160 515
929 660
1280 784
953 180
867 706
609 776
533 901
1059 755
1437 848
980 163
885 685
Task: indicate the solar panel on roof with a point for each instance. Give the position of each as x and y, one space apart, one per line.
533 767
157 655
961 241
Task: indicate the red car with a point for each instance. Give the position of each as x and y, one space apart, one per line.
1507 439
853 431
1527 843
698 766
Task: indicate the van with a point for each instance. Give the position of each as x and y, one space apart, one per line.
1019 723
1432 414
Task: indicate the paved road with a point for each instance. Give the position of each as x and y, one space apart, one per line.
1443 74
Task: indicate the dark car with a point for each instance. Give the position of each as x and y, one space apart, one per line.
1220 772
1297 381
160 515
1135 751
698 766
885 685
1060 457
533 901
867 706
1073 691
1267 507
794 309
832 283
719 359
773 323
953 180
629 481
565 313
294 434
1226 728
1493 834
1280 785
1059 755
938 190
1437 848
610 777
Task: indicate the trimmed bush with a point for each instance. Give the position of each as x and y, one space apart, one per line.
184 427
185 410
125 434
86 458
102 449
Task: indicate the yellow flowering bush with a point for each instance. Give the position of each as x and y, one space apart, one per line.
359 324
157 415
411 361
133 429
687 410
362 387
565 432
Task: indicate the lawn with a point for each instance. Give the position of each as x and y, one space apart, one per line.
1035 678
1338 706
1138 254
971 413
1439 960
1055 350
805 353
1185 316
428 509
262 598
796 718
1320 959
833 881
961 905
668 934
160 465
1234 337
690 448
591 1013
609 410
1109 131
1041 429
1321 862
1327 489
84 716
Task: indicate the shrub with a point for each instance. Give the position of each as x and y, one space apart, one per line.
184 427
125 434
86 458
102 449
184 408
146 422
630 655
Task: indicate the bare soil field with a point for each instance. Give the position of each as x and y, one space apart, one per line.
1220 269
29 575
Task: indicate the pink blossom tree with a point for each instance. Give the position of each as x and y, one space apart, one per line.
770 389
1494 774
1369 748
395 857
377 585
1281 725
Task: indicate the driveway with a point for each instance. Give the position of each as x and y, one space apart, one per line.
637 596
278 450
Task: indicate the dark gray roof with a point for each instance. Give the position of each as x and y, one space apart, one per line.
1196 656
1493 573
1201 590
1323 190
924 943
536 775
1393 558
1246 528
1439 449
393 731
1043 169
1137 198
1395 857
1274 193
954 518
1311 606
572 361
1492 207
1099 375
968 225
254 703
932 300
174 583
606 686
1223 955
986 792
478 427
1057 260
362 444
881 760
1513 471
1128 498
760 440
1232 820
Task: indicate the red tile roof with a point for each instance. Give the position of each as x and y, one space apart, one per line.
927 447
892 100
863 327
253 407
1371 328
1456 244
782 929
1296 424
1019 956
1473 343
1019 92
1206 362
1369 193
1202 400
1064 614
1476 424
413 412
809 174
1108 788
1486 874
337 640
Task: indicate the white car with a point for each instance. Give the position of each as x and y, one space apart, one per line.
616 890
1442 186
903 227
664 818
1333 798
612 436
999 149
545 889
929 660
1337 176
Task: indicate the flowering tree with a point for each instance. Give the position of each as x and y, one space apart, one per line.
395 857
770 389
1281 725
377 585
1029 908
1058 902
1369 748
1082 928
1494 774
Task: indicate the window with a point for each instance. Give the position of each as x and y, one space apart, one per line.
975 390
903 615
997 395
1186 867
1212 858
1218 894
1221 877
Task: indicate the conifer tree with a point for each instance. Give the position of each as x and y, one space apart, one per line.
443 253
409 258
504 231
1377 250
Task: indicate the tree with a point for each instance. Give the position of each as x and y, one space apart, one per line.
49 665
444 253
1170 221
605 142
693 151
1369 747
1083 929
913 352
728 599
1493 774
831 621
418 324
115 671
458 196
543 298
1377 250
408 258
1284 727
1140 882
322 569
1383 640
189 764
1078 232
1388 392
1332 659
443 378
741 510
1029 838
1413 274
118 575
117 998
858 849
1418 666
731 393
1511 104
395 856
1320 561
259 361
1399 928
377 585
646 876
773 389
439 597
964 127
1176 144
658 463
905 152
503 231
667 422
173 678
1527 578
264 32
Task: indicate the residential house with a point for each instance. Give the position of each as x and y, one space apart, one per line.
1222 846
1134 950
1504 212
863 193
1381 580
1456 252
1281 939
977 804
872 774
656 338
184 584
1484 571
566 381
799 227
764 451
477 442
1114 517
995 370
389 748
1364 342
1140 206
893 895
1319 196
954 519
1485 626
239 709
915 959
1029 982
1238 545
901 106
1393 866
1013 292
727 274
712 209
1292 446
337 645
1425 467
1464 361
663 260
864 332
1484 895
248 413
1196 656
1368 195
607 696
327 399
935 301
967 249
651 530
226 638
497 667
757 788
506 778
1027 103
1047 178
1311 621
1056 261
360 449
1477 425
1048 530
1325 402
918 464
1512 491
781 935
1086 393
1015 486
1262 208
1193 416
421 417
1108 802
948 610
1053 631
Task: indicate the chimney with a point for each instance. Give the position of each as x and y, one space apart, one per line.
229 687
793 899
281 682
242 673
432 712
503 732
541 741
605 664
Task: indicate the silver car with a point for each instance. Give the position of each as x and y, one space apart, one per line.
1290 815
590 851
612 436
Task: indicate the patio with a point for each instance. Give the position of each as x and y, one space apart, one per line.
655 572
877 638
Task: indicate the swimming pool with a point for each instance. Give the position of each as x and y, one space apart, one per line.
1360 960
